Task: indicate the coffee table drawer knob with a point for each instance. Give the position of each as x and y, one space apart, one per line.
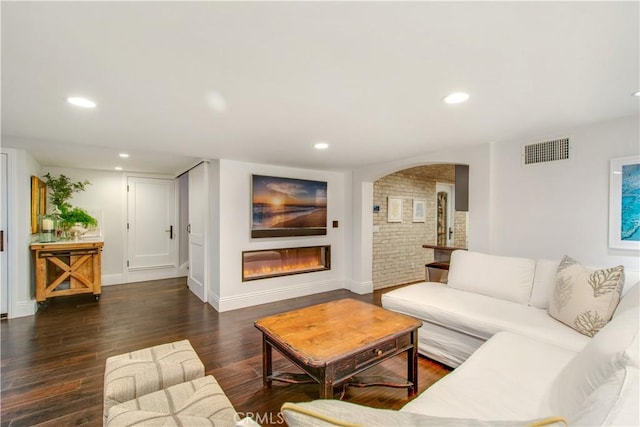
378 352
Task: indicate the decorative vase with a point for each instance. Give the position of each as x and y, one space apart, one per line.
77 230
48 228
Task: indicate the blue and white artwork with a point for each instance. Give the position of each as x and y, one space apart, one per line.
630 203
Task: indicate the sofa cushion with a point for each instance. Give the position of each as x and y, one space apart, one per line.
544 281
478 315
506 278
613 348
144 371
323 413
200 402
615 403
498 382
584 299
629 300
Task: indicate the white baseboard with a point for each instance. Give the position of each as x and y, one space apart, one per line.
214 300
112 279
361 288
23 309
183 270
272 295
152 274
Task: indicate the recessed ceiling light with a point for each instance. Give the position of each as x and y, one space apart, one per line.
636 93
320 145
124 155
81 102
216 102
456 98
118 168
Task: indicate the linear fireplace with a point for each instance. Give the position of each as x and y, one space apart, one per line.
283 262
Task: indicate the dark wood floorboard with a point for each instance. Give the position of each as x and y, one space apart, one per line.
52 364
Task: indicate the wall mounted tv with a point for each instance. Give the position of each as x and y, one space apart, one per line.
284 207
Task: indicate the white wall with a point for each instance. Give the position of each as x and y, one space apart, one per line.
478 157
106 195
556 208
235 227
21 278
182 183
538 211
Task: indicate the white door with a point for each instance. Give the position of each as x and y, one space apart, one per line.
151 222
196 229
444 214
4 275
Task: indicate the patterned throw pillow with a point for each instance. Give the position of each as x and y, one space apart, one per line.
584 299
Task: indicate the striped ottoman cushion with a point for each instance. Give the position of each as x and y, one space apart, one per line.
131 375
200 402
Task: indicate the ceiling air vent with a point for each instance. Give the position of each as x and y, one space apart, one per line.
547 151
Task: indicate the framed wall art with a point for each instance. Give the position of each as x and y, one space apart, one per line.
282 207
38 202
394 209
419 210
624 203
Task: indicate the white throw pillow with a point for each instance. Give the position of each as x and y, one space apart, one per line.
501 277
613 348
336 413
584 299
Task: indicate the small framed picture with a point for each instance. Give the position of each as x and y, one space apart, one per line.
419 210
394 209
624 204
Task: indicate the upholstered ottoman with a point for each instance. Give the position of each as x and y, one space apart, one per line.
131 375
200 402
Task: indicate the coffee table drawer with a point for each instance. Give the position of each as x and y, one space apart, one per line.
381 351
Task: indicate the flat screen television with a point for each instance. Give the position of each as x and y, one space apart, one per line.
283 207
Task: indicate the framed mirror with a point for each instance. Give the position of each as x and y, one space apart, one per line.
38 202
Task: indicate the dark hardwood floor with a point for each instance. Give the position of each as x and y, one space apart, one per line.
52 364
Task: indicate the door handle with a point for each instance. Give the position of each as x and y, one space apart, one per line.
189 228
450 233
1 240
170 231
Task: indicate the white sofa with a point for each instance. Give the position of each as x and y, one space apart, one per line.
518 374
485 294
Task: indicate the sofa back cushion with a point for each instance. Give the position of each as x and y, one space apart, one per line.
629 300
501 277
613 348
615 403
544 281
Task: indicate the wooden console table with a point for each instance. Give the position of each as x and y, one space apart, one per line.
67 268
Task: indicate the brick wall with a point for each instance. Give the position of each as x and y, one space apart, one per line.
398 255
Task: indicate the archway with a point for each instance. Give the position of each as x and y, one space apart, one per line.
406 206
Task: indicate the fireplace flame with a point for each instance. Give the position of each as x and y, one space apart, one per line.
274 266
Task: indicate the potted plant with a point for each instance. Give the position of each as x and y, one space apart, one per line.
61 189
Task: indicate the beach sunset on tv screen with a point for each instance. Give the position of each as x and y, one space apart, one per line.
288 207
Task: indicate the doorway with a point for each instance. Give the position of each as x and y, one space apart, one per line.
196 229
398 256
444 214
4 272
150 223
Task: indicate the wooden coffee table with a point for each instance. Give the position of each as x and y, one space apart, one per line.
333 342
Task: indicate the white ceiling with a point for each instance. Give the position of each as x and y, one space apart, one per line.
367 77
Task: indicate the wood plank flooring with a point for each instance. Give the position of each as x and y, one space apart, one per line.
52 364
